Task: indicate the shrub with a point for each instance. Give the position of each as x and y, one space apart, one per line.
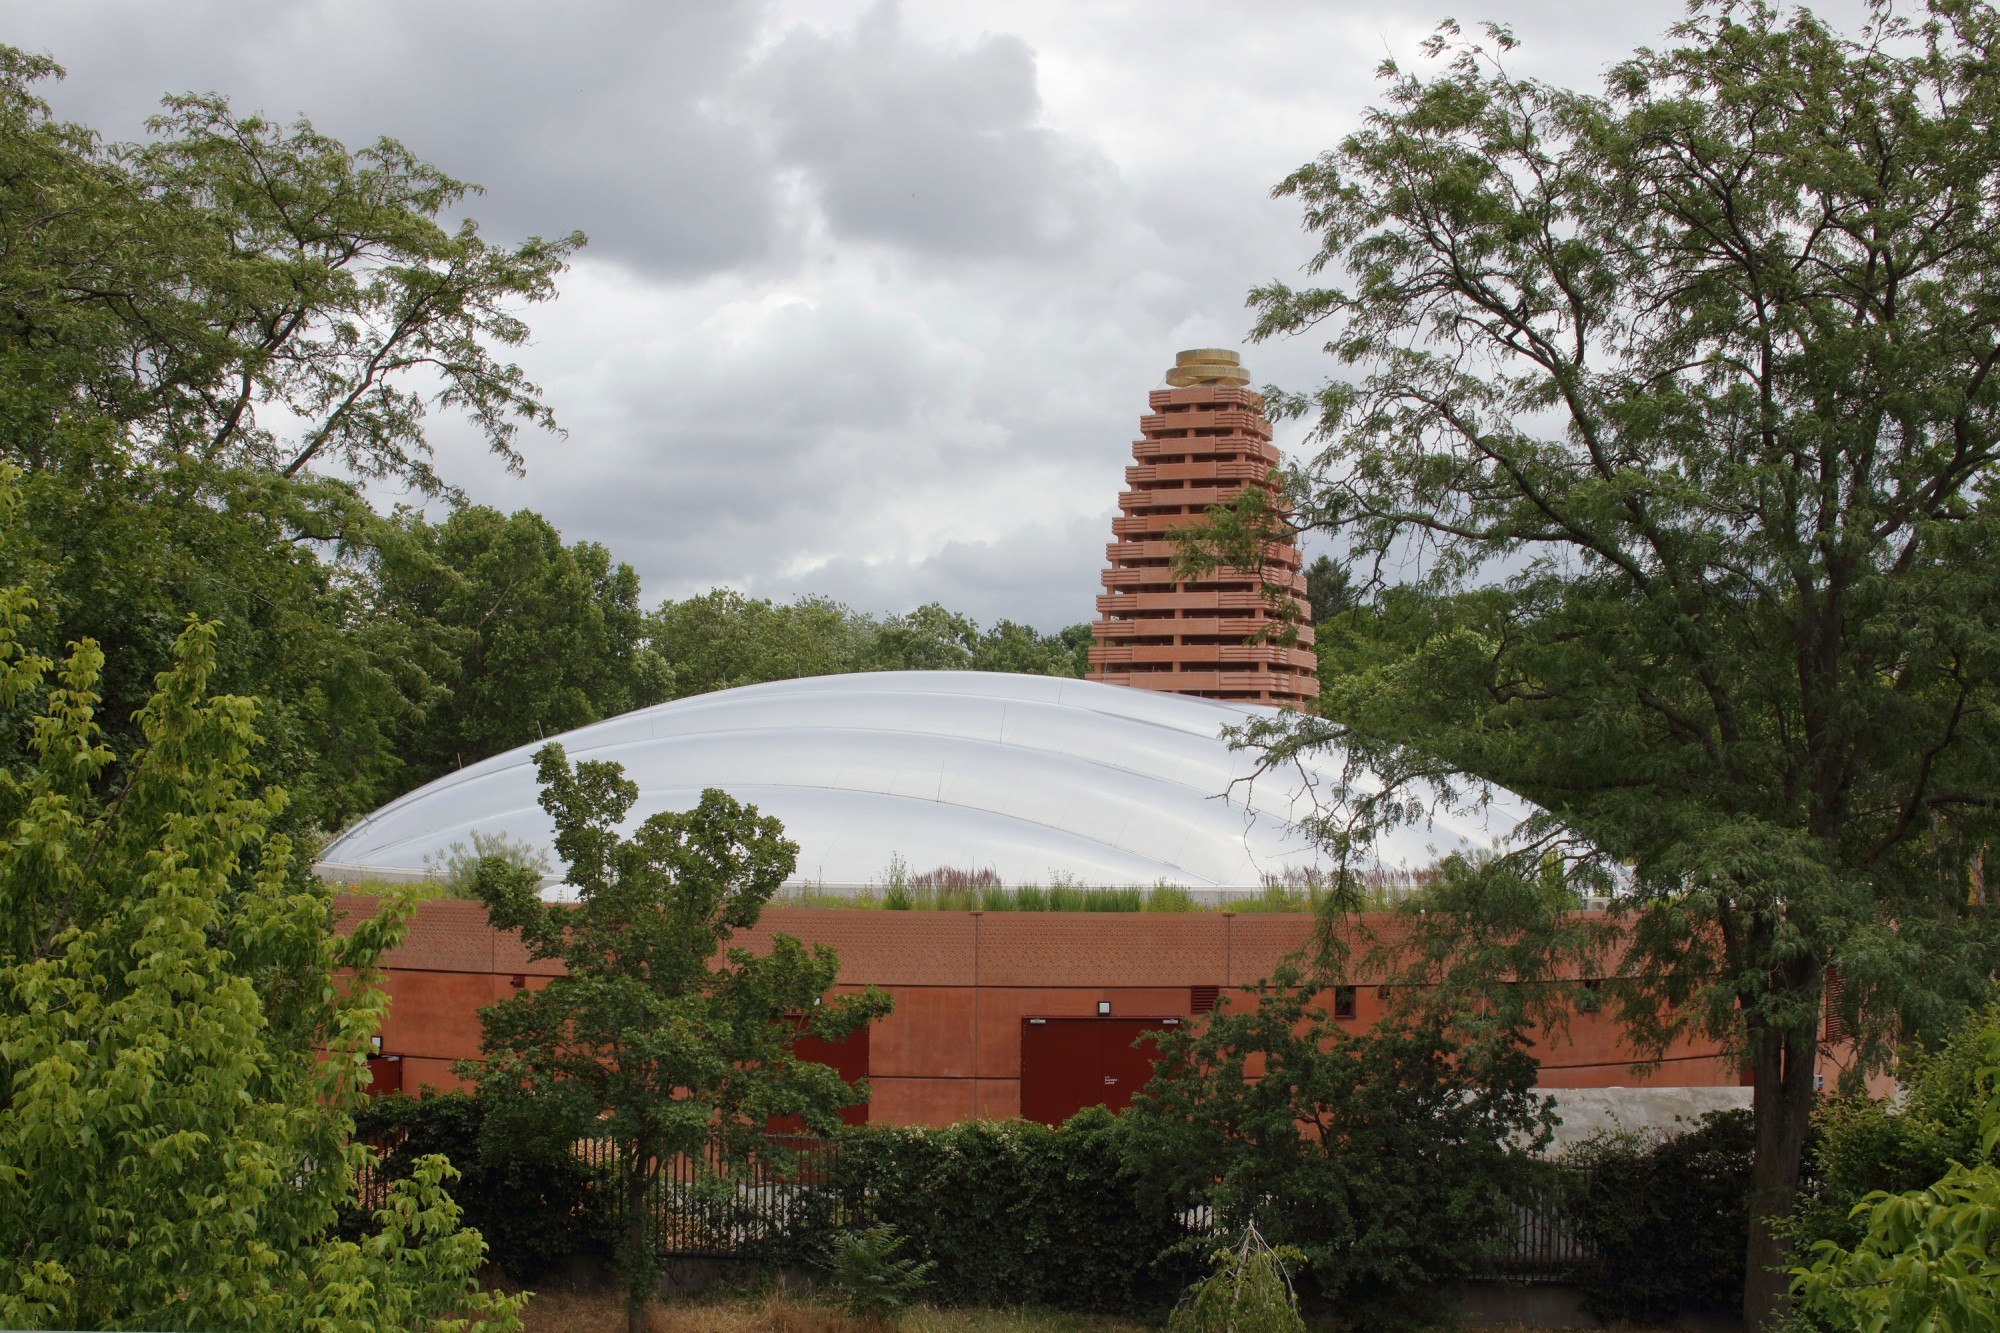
1387 1158
1670 1217
1925 1258
536 1210
1249 1292
1863 1146
1013 1212
868 1270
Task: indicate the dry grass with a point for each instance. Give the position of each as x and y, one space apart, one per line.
572 1312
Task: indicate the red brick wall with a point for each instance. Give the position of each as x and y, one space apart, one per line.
962 982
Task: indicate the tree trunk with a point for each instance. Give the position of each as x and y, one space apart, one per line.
1783 1087
636 1264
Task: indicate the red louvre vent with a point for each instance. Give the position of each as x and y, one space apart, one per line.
1201 999
1836 998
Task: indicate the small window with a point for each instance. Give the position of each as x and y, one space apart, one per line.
1343 1003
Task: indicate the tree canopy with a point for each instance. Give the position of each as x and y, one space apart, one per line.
1682 393
659 1035
173 1147
536 637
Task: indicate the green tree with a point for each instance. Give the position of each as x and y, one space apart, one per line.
1693 381
723 639
190 330
1386 1158
173 1147
118 556
1329 589
539 637
660 1036
239 293
1008 646
929 638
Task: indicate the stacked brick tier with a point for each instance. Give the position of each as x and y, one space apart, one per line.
1202 444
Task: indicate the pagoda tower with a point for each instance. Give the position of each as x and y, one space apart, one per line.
1204 441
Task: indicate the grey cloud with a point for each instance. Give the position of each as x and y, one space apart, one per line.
930 148
1057 566
864 314
599 115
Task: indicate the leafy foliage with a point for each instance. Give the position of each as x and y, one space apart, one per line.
1384 1157
1249 1292
1895 1146
1013 1212
1693 1187
536 637
1685 391
659 1036
536 1210
173 1153
868 1269
1925 1259
194 332
723 639
241 294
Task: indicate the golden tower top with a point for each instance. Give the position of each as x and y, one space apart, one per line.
1207 365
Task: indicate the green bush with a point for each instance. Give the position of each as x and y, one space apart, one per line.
1013 1212
1924 1259
869 1271
1670 1217
1387 1158
536 1211
1249 1292
1863 1146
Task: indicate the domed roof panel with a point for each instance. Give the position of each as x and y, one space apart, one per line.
1031 777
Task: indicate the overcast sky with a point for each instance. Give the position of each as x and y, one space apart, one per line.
875 291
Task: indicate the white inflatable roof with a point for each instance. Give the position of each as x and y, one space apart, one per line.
1032 777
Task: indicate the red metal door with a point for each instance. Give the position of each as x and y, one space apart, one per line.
385 1074
1068 1063
1062 1067
1130 1049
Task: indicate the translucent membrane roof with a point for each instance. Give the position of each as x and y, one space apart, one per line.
1034 778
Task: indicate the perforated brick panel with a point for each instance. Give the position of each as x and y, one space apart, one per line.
1100 949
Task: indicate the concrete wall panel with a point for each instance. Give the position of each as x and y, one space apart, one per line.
921 1101
929 1034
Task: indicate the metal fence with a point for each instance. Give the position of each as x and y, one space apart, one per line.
1543 1242
710 1207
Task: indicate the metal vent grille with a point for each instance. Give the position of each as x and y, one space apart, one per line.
1201 999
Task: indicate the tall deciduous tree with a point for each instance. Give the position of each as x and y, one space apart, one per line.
239 293
173 1148
205 340
659 1035
536 637
1697 377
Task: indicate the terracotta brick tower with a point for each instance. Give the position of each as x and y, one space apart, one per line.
1205 440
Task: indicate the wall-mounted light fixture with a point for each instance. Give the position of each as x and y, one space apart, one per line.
1103 1008
375 1045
